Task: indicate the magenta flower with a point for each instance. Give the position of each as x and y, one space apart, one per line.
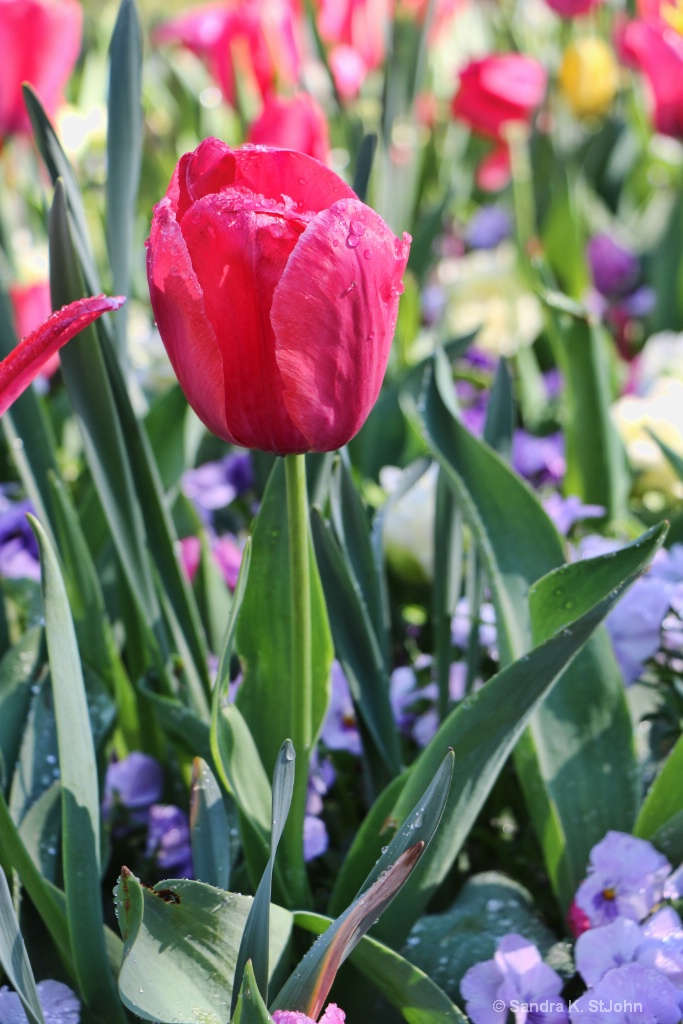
626 878
332 1015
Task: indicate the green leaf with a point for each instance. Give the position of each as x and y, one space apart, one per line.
14 958
210 828
18 670
596 461
500 412
661 815
308 987
488 906
366 155
417 997
181 941
255 939
264 637
124 147
587 710
358 650
41 827
80 795
251 1008
483 730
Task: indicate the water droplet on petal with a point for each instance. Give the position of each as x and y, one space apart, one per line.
353 241
367 254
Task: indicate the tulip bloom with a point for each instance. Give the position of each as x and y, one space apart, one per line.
25 362
357 31
296 123
256 39
40 41
653 46
572 8
494 92
276 292
589 77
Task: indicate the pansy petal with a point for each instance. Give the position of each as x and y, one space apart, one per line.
334 313
25 362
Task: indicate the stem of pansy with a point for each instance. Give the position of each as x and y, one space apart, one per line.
300 669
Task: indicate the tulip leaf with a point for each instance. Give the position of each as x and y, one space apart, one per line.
586 713
26 427
18 670
448 572
80 795
181 942
124 148
14 958
661 816
483 729
210 828
308 987
405 986
251 1009
359 652
254 944
500 412
672 457
364 161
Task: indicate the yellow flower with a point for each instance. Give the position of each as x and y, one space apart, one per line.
589 77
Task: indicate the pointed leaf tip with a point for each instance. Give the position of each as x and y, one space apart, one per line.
25 362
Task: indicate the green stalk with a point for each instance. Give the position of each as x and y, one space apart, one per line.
300 669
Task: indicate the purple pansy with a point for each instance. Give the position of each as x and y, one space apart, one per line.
461 624
216 484
661 948
316 840
340 728
168 840
626 877
58 1003
516 981
615 270
134 784
631 994
488 227
541 460
18 546
566 512
601 949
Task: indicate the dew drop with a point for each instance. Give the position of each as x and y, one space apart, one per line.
335 242
353 241
367 254
347 291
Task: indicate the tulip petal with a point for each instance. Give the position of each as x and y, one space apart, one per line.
179 311
25 362
345 272
239 255
312 185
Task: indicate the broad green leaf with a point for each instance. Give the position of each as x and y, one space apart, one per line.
36 763
181 941
445 945
661 814
124 147
18 670
251 1008
482 730
263 637
308 987
40 830
210 828
14 958
417 997
255 939
80 795
519 544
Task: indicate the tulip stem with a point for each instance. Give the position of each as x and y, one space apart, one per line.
301 670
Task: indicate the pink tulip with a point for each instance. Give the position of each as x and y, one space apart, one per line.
360 26
39 41
654 47
572 8
25 362
295 123
238 38
276 292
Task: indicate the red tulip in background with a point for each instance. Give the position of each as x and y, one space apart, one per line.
292 123
494 92
236 38
276 292
572 8
357 31
652 45
39 41
26 361
31 305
